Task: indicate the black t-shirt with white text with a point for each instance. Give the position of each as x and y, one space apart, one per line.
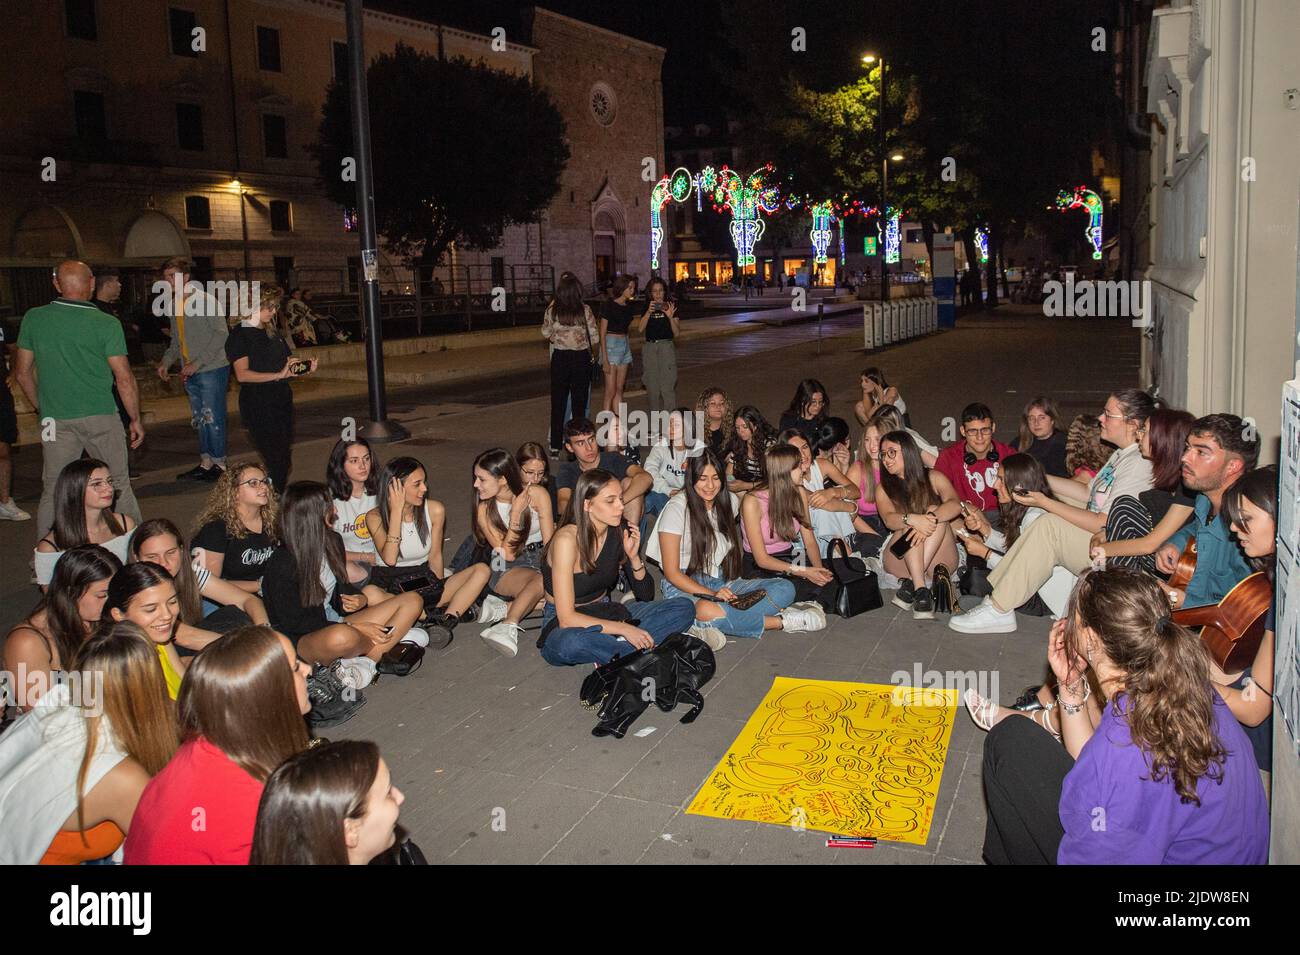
244 556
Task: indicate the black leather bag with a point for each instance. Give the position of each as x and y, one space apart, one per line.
854 589
946 597
400 580
975 578
671 673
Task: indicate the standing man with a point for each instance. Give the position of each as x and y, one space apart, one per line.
9 509
198 343
78 352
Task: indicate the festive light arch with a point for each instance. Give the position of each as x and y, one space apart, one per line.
982 244
1084 198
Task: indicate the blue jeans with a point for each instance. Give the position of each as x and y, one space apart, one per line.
742 623
569 646
655 502
207 391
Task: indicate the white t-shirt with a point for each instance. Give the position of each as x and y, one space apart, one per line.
667 466
1126 472
673 519
351 523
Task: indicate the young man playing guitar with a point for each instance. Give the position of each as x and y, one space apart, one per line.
1220 449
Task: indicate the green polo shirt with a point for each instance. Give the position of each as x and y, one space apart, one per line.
72 342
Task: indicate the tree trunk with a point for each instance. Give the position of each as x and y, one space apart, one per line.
927 232
967 237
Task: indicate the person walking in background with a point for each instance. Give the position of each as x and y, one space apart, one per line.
198 343
263 365
9 510
659 324
78 352
571 329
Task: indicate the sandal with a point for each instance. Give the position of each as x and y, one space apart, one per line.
1046 721
983 712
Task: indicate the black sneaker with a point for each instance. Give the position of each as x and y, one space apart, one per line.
906 593
212 474
923 605
332 702
439 627
196 473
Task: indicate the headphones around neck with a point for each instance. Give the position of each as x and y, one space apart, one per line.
969 457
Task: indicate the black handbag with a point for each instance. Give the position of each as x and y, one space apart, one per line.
401 580
975 578
666 675
854 589
946 597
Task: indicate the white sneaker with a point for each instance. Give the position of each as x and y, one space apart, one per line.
801 620
10 511
493 609
416 635
812 607
357 672
503 638
712 636
984 619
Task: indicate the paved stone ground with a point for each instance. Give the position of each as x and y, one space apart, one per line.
471 732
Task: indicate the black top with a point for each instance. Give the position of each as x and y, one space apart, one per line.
1050 453
658 328
284 607
609 563
716 442
244 556
265 353
1158 502
611 461
805 426
619 316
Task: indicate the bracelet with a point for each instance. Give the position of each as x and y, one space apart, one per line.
1072 708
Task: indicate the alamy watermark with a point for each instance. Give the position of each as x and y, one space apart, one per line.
1098 299
24 688
638 429
236 299
930 688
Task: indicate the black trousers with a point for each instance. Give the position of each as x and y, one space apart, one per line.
269 420
1024 769
804 589
570 382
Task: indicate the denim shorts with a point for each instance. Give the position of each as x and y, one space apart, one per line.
618 350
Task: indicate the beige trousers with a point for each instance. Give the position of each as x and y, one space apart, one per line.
1049 542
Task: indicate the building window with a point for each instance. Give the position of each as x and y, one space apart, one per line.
88 110
498 272
341 66
189 126
915 235
274 139
182 24
198 212
81 19
604 104
268 49
203 270
281 216
283 266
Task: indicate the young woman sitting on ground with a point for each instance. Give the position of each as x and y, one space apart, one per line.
890 419
352 476
869 531
241 715
582 564
832 499
808 409
145 594
159 542
40 650
236 529
83 514
666 462
915 503
513 520
310 601
1137 526
773 516
876 393
697 545
334 804
407 528
715 408
535 468
750 439
1162 762
72 771
1041 435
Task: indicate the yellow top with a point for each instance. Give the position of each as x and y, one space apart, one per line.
169 672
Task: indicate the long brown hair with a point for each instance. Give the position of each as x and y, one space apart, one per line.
785 507
69 528
187 586
728 416
309 540
1167 433
568 307
134 700
1083 447
223 502
703 532
588 486
498 463
307 800
1260 488
911 492
1045 405
1020 471
1166 674
239 695
78 569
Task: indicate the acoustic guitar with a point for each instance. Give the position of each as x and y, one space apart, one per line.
1183 571
1231 629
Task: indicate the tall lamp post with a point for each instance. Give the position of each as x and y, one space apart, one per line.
380 429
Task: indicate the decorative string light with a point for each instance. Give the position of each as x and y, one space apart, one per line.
892 239
1084 198
982 244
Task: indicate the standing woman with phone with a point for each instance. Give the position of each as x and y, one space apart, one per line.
659 325
262 362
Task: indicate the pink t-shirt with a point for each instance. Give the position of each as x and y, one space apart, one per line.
200 810
771 543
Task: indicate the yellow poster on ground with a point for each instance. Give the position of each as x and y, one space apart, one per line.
854 759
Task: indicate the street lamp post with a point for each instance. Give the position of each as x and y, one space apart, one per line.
884 188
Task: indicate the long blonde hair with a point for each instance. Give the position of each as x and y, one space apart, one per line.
223 503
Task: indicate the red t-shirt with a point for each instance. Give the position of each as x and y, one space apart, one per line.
200 810
974 485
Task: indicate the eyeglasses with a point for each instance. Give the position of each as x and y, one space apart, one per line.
978 432
539 473
890 454
1141 431
1110 414
101 485
255 482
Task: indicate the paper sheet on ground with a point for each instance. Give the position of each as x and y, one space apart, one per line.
850 758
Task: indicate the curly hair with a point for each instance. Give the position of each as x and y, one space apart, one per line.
1083 447
223 503
1166 675
728 415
